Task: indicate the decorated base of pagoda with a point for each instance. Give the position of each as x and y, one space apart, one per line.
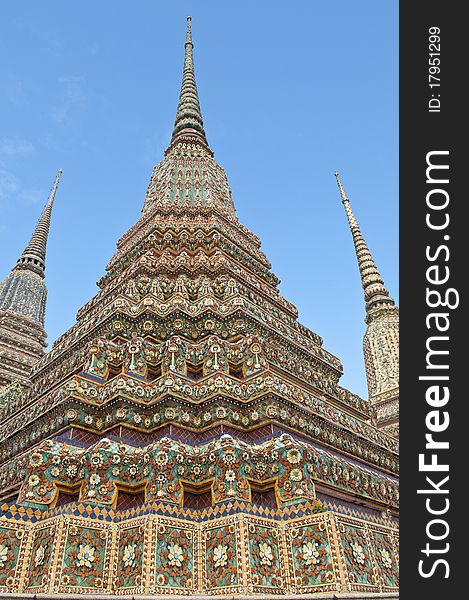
238 549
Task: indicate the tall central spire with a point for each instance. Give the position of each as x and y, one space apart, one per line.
188 175
189 116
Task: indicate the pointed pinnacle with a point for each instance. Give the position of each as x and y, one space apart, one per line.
188 115
339 183
372 282
189 31
34 255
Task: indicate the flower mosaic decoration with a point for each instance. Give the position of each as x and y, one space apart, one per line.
310 552
265 560
357 555
163 465
175 555
221 557
11 541
312 557
83 564
265 554
236 554
41 554
130 557
86 557
385 558
281 411
214 354
174 558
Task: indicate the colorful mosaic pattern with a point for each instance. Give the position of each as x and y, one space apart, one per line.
223 568
226 555
265 561
386 558
86 549
41 559
12 546
174 561
310 548
130 555
166 468
356 552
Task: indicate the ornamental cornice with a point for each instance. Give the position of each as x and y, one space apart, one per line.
78 332
225 281
172 228
187 218
54 461
187 391
192 246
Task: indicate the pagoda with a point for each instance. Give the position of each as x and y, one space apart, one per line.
187 435
23 296
381 340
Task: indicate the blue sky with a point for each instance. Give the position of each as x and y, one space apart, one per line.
289 93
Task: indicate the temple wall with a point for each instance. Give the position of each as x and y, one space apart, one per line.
238 554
